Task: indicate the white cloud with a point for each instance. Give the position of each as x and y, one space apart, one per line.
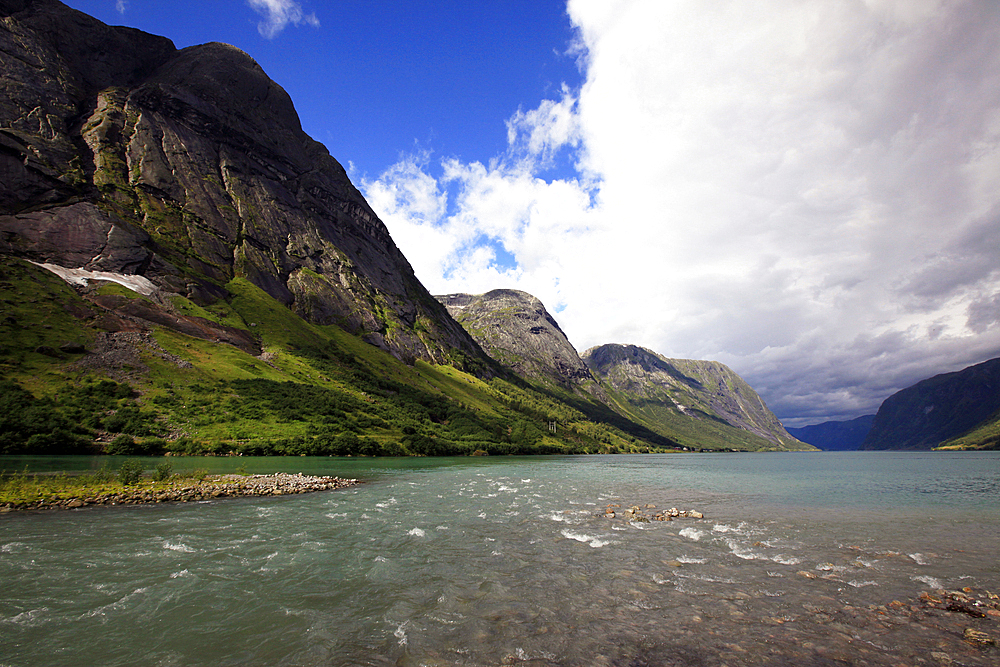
121 6
278 14
807 191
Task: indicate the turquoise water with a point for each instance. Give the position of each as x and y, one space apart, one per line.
487 561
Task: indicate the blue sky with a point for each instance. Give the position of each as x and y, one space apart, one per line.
372 80
805 190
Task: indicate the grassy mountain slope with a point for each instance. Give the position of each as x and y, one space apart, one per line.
77 368
699 404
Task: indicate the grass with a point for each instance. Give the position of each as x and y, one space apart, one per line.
213 405
24 488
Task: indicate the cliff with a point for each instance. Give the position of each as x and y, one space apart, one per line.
120 153
963 407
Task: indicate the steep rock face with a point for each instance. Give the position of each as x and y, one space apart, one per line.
514 328
938 409
120 153
835 435
703 403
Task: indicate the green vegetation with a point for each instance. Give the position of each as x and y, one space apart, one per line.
984 436
316 390
24 488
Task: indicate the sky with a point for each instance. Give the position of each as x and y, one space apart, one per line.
805 190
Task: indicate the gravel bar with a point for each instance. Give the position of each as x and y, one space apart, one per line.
189 490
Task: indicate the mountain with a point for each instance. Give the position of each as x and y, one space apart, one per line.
835 435
960 409
515 329
699 404
183 270
120 153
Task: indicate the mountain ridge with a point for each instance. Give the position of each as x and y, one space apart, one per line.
697 402
182 264
961 408
190 167
846 435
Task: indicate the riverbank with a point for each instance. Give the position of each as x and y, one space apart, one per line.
179 489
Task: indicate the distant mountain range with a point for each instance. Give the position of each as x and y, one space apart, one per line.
183 269
695 404
959 410
835 435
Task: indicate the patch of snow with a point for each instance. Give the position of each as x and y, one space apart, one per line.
82 277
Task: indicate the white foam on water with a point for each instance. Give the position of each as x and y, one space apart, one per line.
691 561
594 541
861 584
618 528
660 579
741 529
740 551
400 633
919 559
507 488
28 618
13 547
830 567
781 559
183 573
379 559
441 528
183 548
118 605
416 532
336 515
692 533
930 581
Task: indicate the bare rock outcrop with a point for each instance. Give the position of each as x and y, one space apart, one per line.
120 153
515 329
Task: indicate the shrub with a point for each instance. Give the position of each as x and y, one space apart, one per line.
130 472
104 474
163 471
122 444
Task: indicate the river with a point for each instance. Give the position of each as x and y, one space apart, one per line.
801 558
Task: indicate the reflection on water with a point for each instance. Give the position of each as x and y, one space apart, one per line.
800 559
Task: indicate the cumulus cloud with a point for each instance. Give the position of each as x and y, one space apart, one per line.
278 14
808 192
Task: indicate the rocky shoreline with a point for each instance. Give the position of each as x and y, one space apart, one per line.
190 490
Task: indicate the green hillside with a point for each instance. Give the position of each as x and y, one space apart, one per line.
79 375
698 404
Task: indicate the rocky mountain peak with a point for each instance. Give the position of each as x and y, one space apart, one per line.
676 394
515 328
120 153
